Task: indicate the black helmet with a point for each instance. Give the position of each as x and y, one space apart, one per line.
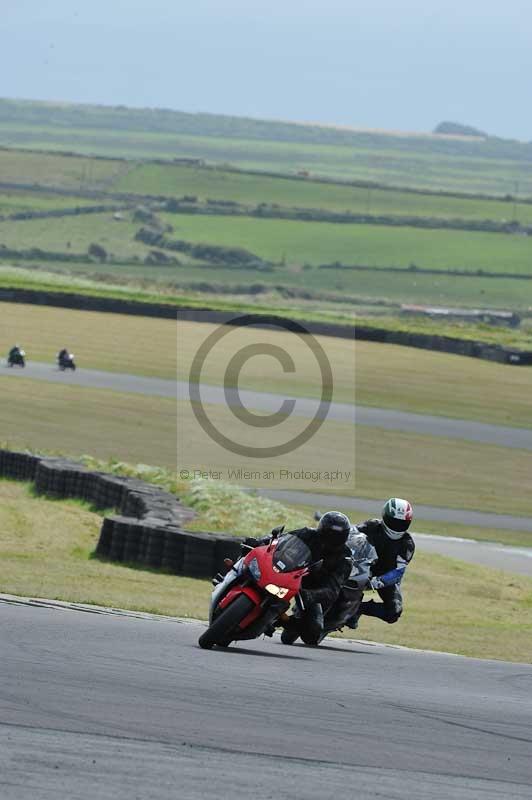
334 527
396 517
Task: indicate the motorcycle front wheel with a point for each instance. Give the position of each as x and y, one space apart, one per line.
222 630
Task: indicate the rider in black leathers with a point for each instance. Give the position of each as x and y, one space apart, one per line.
395 549
321 587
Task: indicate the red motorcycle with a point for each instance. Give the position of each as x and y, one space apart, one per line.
256 592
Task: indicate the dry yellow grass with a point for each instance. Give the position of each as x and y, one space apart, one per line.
429 470
74 420
135 428
368 373
438 383
114 342
460 608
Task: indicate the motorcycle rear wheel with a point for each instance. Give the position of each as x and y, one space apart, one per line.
221 631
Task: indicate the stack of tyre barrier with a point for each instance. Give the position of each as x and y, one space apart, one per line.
19 466
148 529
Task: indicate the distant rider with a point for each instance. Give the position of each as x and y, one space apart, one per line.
395 549
15 352
16 355
63 355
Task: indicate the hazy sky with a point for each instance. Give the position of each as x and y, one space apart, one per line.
403 65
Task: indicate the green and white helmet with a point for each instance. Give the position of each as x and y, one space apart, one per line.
396 517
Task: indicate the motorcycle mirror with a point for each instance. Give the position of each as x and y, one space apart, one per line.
317 515
278 530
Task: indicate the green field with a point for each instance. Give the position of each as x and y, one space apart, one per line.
46 551
16 200
251 189
75 235
307 293
296 247
373 245
288 242
64 172
421 162
489 165
79 174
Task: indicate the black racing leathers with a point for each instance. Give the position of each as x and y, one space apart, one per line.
320 588
393 557
388 550
323 585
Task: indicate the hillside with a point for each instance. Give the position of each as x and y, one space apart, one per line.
490 165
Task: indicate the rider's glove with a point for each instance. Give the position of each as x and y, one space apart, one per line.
375 583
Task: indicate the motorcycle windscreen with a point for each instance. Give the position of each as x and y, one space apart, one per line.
363 554
291 553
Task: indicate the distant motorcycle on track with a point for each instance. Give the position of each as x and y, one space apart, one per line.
16 358
65 360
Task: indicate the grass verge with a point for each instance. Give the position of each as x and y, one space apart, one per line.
41 280
46 550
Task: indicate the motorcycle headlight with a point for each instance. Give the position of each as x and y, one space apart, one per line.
254 568
278 591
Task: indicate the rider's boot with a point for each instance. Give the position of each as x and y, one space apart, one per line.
290 633
353 621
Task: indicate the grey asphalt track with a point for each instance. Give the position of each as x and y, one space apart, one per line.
389 419
117 708
489 554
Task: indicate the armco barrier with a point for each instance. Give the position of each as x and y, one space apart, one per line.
148 528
